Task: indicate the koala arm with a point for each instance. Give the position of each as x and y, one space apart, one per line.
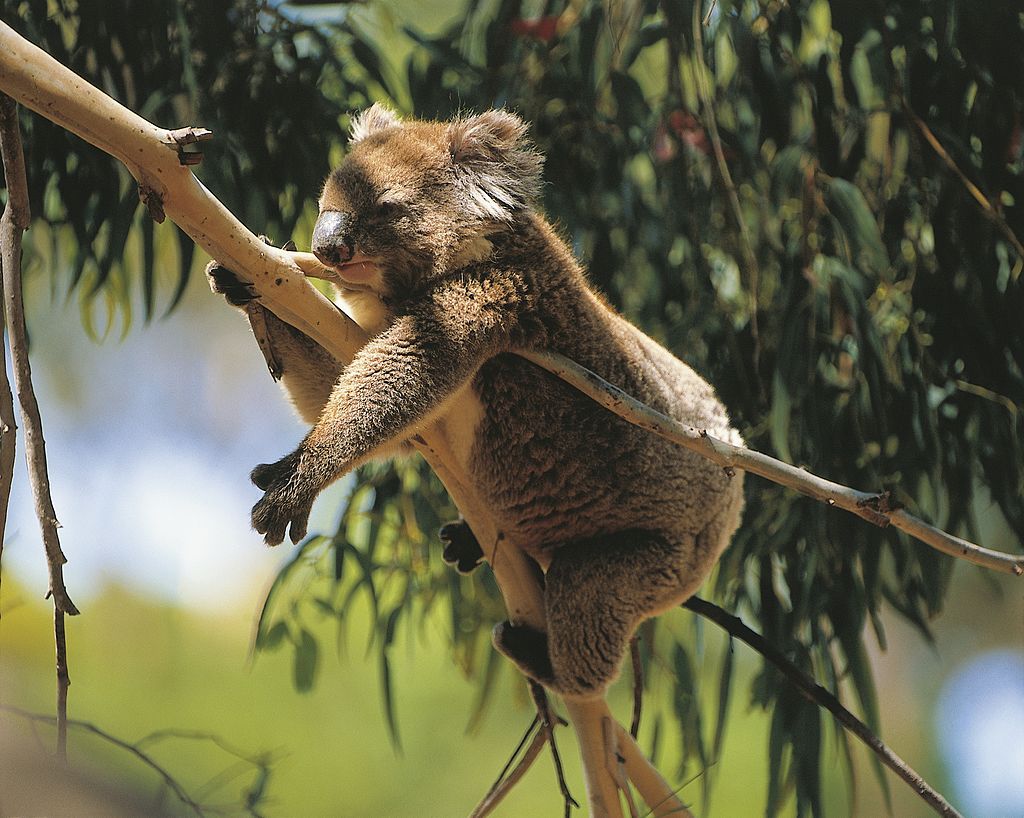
307 371
393 385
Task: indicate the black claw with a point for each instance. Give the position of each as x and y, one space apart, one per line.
236 292
461 548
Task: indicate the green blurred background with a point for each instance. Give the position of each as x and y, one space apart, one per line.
864 322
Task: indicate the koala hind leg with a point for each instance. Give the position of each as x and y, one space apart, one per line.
596 593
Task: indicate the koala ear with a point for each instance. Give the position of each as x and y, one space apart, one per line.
375 118
496 165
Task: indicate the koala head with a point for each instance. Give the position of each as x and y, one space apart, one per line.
414 200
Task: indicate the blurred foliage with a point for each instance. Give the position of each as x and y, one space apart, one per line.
813 202
241 69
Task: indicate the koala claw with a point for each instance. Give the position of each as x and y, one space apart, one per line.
461 549
224 282
285 505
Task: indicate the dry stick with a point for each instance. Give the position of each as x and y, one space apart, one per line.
990 211
547 725
13 223
708 108
874 507
168 779
507 780
19 218
823 698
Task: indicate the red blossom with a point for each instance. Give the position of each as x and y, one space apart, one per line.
540 28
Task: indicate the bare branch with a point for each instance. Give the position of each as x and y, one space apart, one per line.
823 698
19 217
13 223
547 725
875 508
172 783
708 110
507 780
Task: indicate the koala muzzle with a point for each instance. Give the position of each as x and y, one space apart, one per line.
332 242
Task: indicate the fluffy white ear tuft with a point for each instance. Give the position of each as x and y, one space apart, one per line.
375 118
497 167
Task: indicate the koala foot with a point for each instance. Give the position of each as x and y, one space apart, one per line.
286 501
224 282
461 549
528 648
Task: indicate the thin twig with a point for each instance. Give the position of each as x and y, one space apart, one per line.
506 780
746 245
823 698
14 222
19 218
711 10
547 724
638 683
172 783
876 508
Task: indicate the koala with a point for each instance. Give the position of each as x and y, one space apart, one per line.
434 233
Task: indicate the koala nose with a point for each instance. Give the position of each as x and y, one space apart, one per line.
332 243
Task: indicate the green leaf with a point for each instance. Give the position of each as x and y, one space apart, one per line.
387 690
306 660
273 637
484 689
854 217
724 692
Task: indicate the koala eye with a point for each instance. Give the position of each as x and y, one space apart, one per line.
389 210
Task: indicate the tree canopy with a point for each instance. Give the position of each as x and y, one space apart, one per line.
814 203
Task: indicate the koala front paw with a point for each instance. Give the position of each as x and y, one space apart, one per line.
286 501
527 648
224 282
461 549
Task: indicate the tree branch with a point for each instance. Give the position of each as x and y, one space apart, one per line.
136 749
507 780
877 508
18 218
13 223
823 698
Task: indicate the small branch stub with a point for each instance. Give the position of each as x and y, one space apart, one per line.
187 137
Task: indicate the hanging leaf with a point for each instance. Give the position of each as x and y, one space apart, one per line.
305 664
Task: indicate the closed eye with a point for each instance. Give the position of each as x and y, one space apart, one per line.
389 209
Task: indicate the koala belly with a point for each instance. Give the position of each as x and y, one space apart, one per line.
557 468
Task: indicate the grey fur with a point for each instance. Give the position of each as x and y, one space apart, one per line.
625 524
